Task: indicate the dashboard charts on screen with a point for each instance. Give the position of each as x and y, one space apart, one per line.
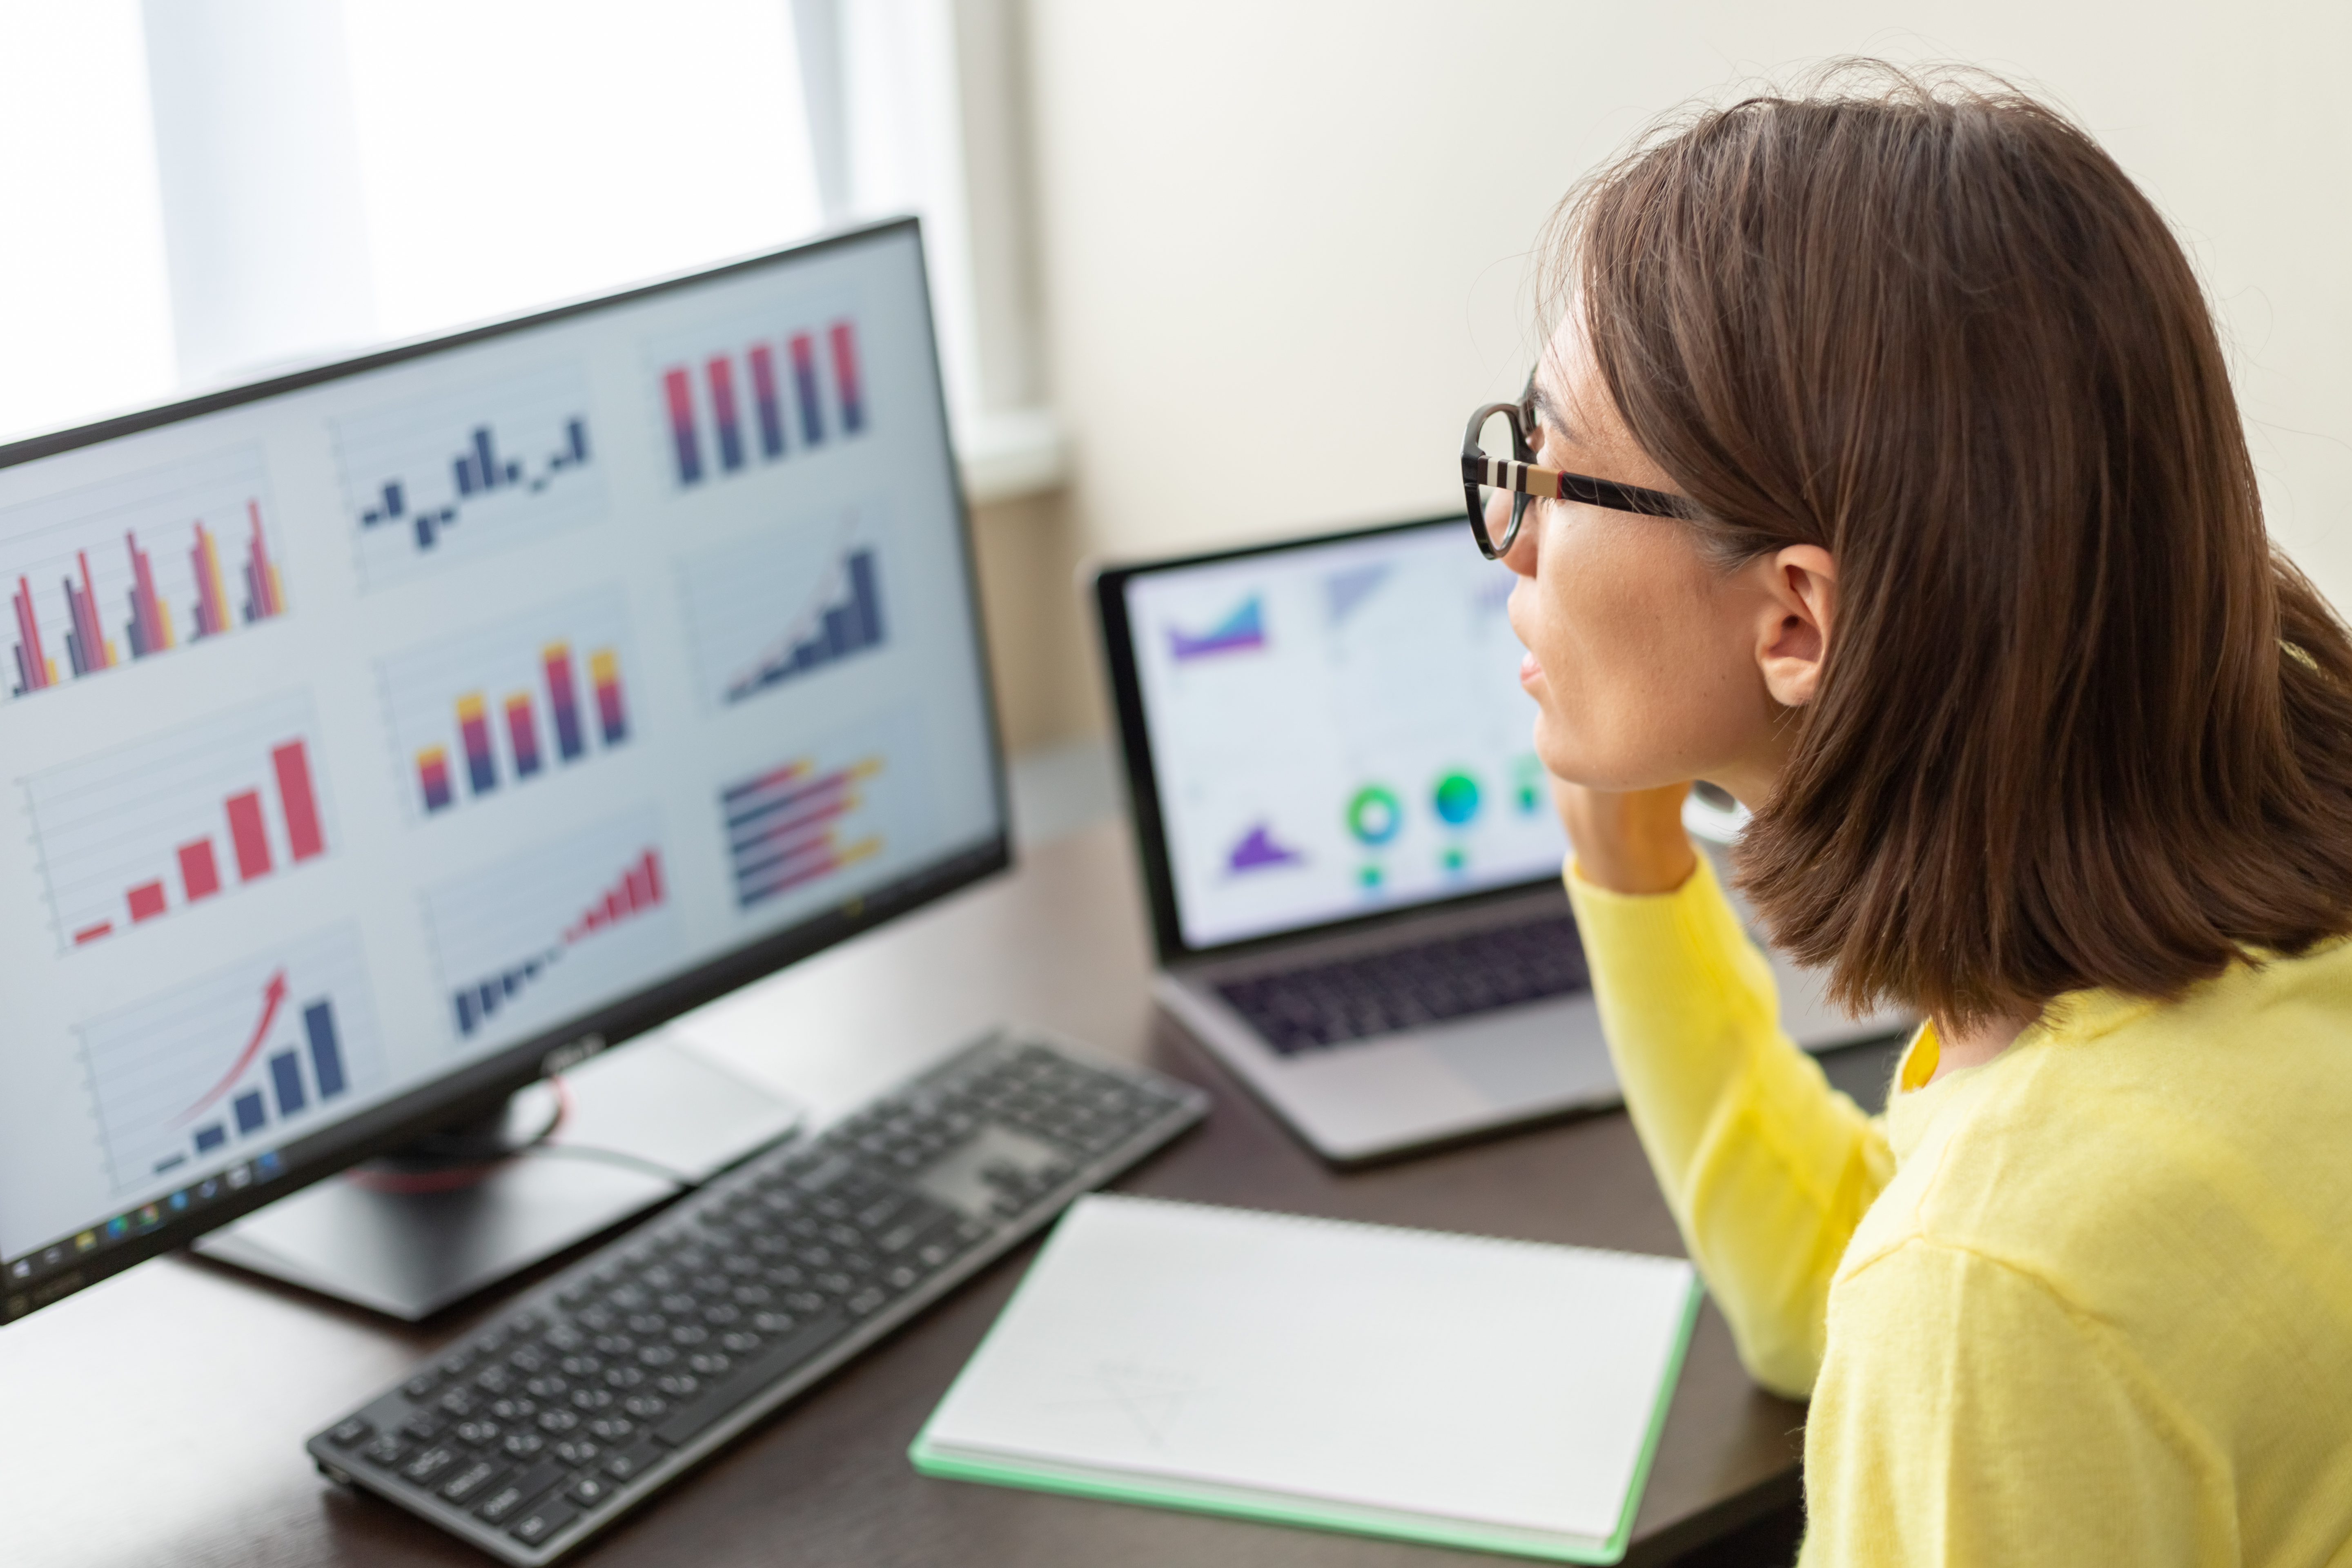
167 825
137 567
1344 728
741 397
786 606
816 816
236 1063
497 710
565 925
447 476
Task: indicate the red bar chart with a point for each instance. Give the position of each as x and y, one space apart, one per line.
709 433
149 830
512 706
194 1078
447 476
548 933
101 576
793 603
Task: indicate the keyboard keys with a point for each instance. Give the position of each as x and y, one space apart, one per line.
560 1413
542 1523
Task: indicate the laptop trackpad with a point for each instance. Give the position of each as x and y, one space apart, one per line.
1525 1056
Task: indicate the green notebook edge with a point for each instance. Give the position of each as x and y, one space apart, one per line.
930 1461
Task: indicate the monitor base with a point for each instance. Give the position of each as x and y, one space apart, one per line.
644 1123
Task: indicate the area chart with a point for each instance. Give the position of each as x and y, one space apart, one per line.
143 831
784 606
452 475
496 709
110 573
243 1061
761 395
569 923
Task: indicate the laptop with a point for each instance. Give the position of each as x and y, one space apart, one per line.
1348 842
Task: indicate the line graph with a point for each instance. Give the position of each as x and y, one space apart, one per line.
245 1058
784 606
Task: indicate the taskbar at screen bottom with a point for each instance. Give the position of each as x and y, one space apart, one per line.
57 1269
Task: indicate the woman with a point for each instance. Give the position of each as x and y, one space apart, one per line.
1966 593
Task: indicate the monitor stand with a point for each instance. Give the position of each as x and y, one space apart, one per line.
469 1206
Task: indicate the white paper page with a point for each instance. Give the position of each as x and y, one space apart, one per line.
1454 1377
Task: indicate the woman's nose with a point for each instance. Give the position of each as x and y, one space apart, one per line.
1521 556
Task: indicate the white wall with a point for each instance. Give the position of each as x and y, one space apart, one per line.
1284 245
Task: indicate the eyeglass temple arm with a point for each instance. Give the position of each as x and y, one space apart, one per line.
1553 484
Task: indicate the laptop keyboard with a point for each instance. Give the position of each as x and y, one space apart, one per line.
1378 994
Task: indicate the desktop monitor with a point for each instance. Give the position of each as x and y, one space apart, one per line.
380 738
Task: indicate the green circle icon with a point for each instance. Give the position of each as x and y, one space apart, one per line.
1456 798
1374 816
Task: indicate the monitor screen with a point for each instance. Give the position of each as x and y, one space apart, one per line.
381 736
1337 730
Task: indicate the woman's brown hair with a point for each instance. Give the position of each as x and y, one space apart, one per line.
2079 723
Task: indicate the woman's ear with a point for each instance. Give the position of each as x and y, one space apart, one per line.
1799 587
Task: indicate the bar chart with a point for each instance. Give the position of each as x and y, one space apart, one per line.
110 573
454 475
241 1061
187 817
823 808
558 927
784 606
492 712
735 401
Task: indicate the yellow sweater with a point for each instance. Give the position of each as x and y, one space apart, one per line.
2089 1302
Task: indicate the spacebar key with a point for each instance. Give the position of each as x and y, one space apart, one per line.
747 1381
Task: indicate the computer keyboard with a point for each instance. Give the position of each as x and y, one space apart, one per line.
1333 1003
598 1387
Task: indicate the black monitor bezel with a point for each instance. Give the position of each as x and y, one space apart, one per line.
1142 780
481 1086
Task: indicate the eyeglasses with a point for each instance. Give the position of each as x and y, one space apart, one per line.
1485 472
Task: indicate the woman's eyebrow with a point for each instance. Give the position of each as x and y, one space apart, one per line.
1548 412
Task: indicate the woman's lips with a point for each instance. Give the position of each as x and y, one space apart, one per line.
1529 670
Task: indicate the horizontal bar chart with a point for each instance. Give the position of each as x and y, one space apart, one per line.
165 825
770 393
521 700
785 606
239 1061
543 934
788 827
102 577
450 476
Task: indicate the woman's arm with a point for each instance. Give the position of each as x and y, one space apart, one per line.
1766 1167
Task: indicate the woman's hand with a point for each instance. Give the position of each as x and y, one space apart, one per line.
1631 842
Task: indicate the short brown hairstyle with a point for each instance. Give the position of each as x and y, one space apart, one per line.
2079 723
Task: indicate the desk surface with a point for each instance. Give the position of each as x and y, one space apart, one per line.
159 1417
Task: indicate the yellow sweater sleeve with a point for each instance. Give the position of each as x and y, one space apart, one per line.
1766 1167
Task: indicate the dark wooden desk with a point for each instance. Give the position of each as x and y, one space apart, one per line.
159 1417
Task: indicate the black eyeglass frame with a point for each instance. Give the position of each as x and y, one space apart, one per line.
1526 478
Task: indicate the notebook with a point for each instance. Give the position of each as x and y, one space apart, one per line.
1498 1395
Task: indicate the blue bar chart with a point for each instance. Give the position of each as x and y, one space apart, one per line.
573 922
785 606
503 708
241 1061
450 476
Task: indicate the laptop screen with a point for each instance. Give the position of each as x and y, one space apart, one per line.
1336 730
